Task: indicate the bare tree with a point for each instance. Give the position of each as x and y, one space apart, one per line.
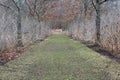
19 28
97 5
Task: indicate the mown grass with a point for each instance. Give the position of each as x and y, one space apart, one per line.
60 58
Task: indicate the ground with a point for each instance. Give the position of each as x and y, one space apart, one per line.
60 58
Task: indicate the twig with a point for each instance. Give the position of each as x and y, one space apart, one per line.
16 5
94 5
103 1
5 6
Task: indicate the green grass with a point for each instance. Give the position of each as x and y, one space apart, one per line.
60 58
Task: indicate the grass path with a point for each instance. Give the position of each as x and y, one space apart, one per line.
60 58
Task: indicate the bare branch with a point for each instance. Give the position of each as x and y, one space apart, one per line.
16 5
5 6
28 7
103 1
94 5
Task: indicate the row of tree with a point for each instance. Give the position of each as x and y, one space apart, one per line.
21 21
85 20
97 23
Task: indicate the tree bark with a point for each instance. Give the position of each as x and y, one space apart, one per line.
19 30
19 27
98 20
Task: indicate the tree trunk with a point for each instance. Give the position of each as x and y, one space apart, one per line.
98 22
19 27
19 30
